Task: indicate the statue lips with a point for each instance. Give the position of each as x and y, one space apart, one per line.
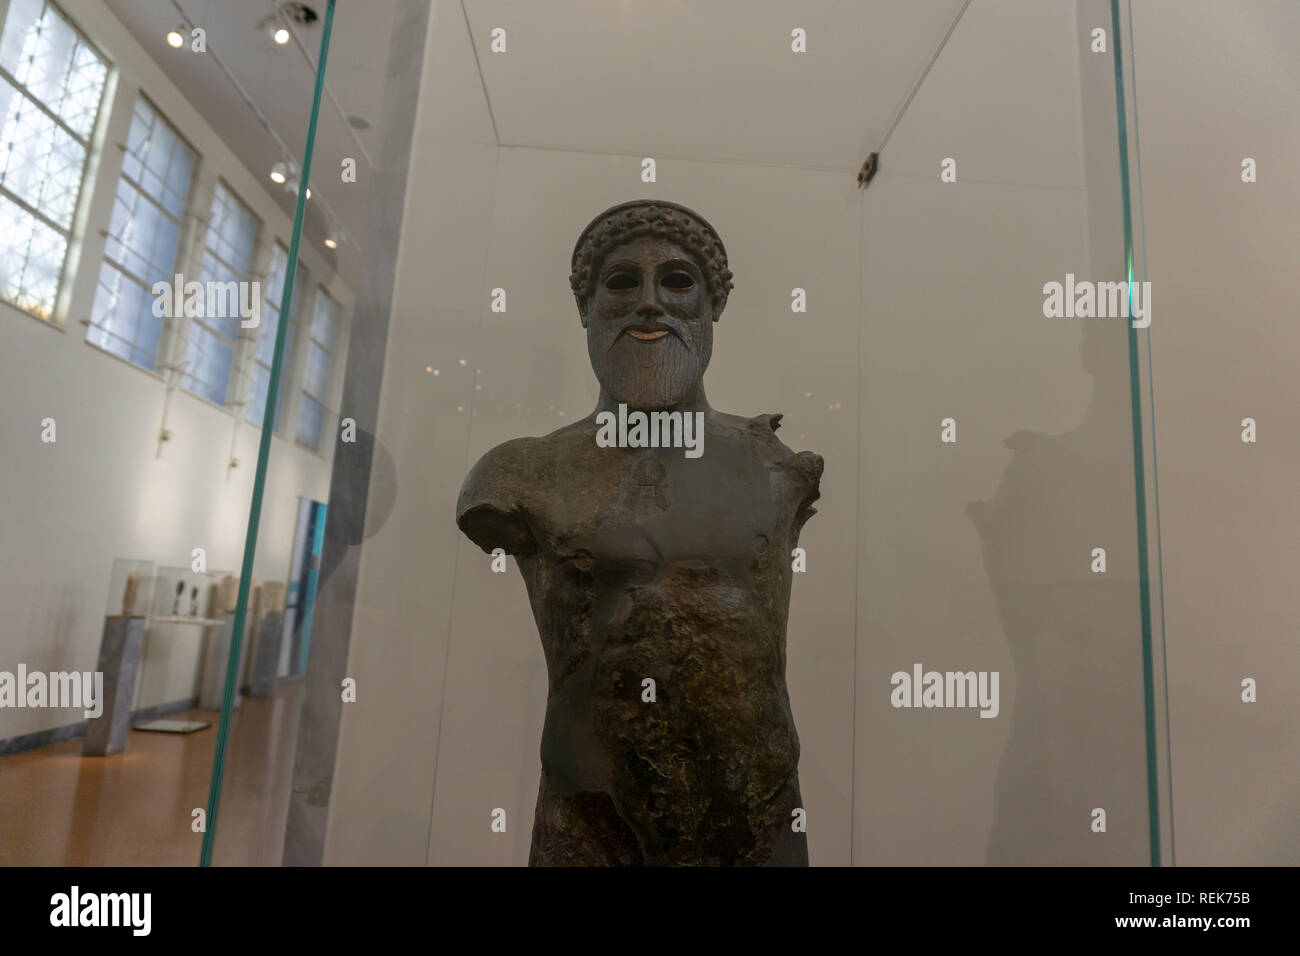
647 336
650 332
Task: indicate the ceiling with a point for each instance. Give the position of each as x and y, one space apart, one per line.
697 79
280 80
706 79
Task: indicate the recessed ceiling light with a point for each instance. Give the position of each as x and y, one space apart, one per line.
175 39
331 242
277 22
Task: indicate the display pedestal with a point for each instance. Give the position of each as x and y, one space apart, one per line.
119 660
214 665
266 658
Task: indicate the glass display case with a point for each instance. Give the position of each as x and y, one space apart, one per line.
186 635
130 588
955 660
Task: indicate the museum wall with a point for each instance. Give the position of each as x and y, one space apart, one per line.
975 554
382 783
100 491
1216 84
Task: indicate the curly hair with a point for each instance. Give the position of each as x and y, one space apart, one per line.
650 217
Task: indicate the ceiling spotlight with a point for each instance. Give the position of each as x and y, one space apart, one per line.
280 172
175 38
277 22
308 192
331 242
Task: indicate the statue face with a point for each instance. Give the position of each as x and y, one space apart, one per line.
649 323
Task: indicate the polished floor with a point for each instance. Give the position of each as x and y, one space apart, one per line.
136 808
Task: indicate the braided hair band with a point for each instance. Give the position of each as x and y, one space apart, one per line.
650 217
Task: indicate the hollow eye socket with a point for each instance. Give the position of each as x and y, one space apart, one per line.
678 281
621 282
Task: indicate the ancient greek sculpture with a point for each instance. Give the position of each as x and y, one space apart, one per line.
654 537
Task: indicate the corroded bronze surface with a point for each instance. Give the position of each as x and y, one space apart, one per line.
646 563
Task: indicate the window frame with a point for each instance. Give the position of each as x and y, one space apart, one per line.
187 212
232 376
69 234
300 280
309 341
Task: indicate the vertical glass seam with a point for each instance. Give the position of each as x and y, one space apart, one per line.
1155 462
1139 479
263 454
857 550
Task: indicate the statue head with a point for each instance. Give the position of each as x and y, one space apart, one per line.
650 278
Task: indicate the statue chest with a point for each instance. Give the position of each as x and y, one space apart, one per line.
634 514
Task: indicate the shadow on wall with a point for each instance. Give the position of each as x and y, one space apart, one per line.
365 503
1078 734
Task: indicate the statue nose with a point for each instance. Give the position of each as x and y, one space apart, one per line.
649 300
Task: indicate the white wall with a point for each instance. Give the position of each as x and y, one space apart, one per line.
101 492
383 783
1217 83
976 555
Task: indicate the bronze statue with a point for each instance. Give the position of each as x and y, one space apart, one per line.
657 559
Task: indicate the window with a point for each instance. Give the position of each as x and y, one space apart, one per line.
51 85
227 257
320 362
143 237
261 368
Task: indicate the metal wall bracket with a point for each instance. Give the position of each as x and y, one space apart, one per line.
868 170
